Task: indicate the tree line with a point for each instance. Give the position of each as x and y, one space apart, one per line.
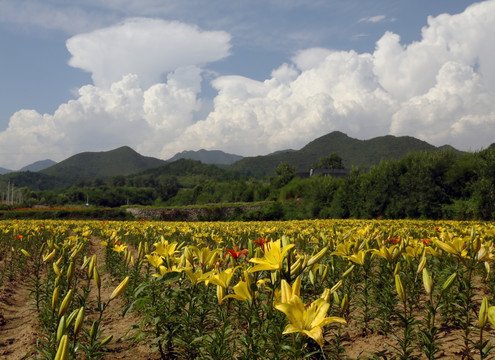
428 185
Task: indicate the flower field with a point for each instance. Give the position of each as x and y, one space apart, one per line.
322 289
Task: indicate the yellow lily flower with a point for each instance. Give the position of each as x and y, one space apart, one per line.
343 249
164 270
273 259
241 292
222 281
358 258
163 248
154 260
207 258
455 247
307 321
287 292
385 252
197 276
119 248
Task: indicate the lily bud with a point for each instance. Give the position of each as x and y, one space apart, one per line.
55 298
50 256
422 264
97 278
63 349
79 320
448 282
25 253
326 295
491 315
483 315
345 303
427 281
400 289
312 277
91 266
61 328
336 286
397 269
70 272
348 271
56 269
317 257
120 288
65 303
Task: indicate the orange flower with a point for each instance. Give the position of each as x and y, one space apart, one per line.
236 254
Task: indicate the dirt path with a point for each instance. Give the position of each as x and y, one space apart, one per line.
18 322
19 329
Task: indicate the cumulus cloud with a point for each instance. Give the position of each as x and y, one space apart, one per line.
440 89
146 47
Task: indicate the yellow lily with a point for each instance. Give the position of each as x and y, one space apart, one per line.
163 248
358 258
222 281
207 258
307 320
287 292
197 276
119 248
273 259
385 252
455 247
241 292
164 270
154 260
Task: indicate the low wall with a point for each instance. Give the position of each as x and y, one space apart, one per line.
214 213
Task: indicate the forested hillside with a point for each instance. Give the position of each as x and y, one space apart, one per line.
433 185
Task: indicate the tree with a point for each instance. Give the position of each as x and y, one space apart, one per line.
332 161
285 173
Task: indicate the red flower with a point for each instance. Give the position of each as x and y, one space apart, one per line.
18 237
260 242
236 254
393 240
426 241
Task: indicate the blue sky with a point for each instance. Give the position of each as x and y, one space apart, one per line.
246 77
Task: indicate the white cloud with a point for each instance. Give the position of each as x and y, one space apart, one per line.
146 47
440 89
373 19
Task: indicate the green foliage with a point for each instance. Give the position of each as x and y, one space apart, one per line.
354 153
332 161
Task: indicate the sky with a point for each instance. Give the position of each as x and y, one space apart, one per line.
248 77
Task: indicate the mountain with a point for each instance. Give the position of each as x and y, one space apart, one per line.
125 161
4 171
86 165
207 157
354 153
38 165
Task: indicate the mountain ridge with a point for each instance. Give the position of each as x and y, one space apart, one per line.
216 157
125 161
